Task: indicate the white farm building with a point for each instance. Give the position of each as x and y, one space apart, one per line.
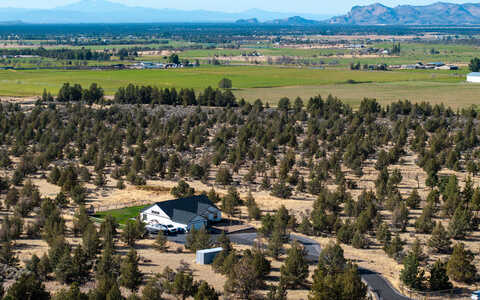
186 213
473 77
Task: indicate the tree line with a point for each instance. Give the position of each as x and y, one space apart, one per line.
63 53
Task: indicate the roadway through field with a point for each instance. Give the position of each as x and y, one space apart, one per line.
375 281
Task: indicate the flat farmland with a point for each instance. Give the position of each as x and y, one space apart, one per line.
31 83
456 95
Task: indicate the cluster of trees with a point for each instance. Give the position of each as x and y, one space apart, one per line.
474 64
358 66
144 95
396 49
299 147
459 267
62 53
153 95
73 264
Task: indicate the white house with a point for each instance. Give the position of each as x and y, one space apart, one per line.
186 213
473 77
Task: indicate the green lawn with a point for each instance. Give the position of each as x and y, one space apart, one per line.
122 215
31 83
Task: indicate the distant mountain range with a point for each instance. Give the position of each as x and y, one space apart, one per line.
291 21
102 11
439 13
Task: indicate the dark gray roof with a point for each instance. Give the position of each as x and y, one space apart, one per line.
184 210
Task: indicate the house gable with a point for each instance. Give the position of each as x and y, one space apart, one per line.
155 210
183 210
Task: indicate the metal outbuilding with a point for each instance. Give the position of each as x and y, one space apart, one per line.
206 256
473 77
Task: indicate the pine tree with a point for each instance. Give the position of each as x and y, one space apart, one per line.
91 241
275 243
198 239
81 265
29 285
413 201
153 290
63 268
32 264
161 242
130 275
400 217
424 223
438 279
460 266
294 272
417 250
73 293
242 279
205 292
342 285
183 285
331 259
108 270
130 233
7 256
395 247
44 267
278 292
411 275
254 211
114 293
359 240
459 225
439 241
383 234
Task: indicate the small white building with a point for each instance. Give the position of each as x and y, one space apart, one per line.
473 77
207 256
186 213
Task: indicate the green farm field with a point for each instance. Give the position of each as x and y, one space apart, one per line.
267 83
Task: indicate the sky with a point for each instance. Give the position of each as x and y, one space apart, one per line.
304 6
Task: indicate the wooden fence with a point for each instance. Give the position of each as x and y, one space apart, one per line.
102 208
433 295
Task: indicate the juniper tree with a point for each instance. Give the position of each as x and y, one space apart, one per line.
183 285
438 280
153 290
91 241
425 223
130 275
254 211
460 265
29 285
411 275
439 241
161 242
413 201
205 292
198 239
7 255
460 224
294 272
80 220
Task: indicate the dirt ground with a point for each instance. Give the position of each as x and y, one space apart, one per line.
374 258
